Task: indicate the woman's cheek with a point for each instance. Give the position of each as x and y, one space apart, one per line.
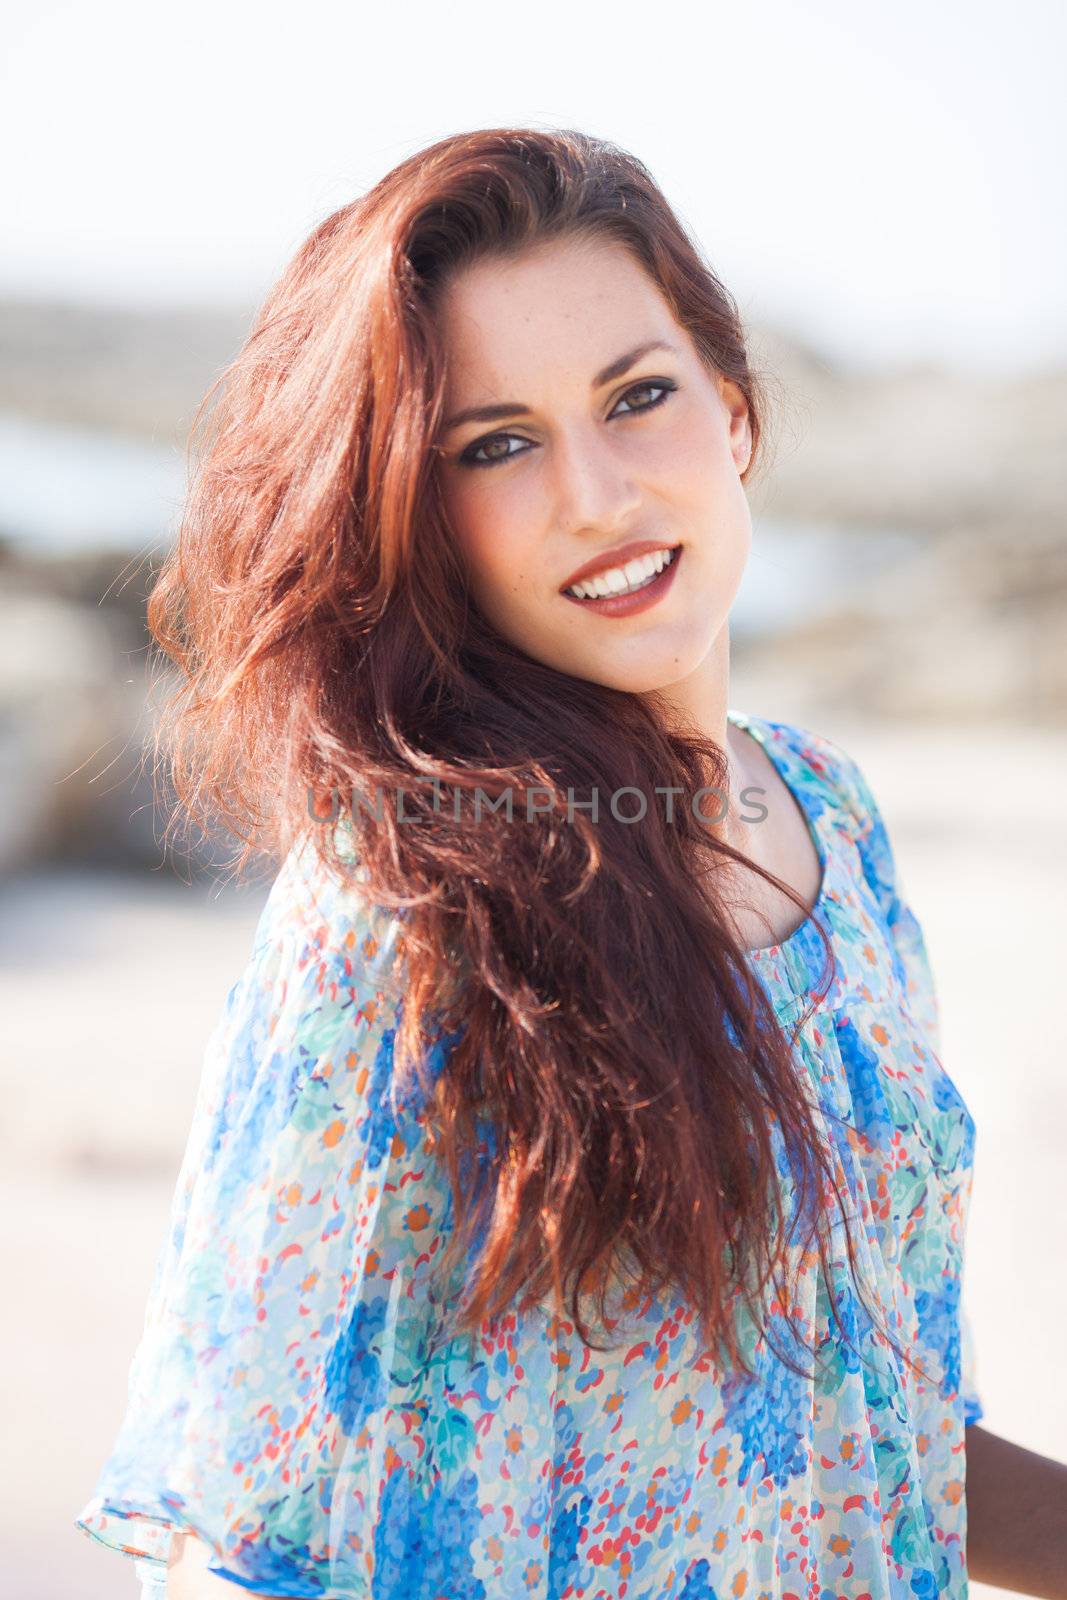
693 460
505 544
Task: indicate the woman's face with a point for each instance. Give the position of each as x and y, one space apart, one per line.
591 440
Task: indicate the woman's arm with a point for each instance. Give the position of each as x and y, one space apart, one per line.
1016 1517
187 1574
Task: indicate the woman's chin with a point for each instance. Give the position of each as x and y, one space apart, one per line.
660 670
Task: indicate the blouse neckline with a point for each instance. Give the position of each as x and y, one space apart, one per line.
785 763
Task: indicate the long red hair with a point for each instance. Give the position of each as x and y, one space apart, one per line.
604 1016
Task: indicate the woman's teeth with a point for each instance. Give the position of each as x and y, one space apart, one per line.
624 580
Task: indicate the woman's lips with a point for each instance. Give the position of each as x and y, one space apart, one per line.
626 605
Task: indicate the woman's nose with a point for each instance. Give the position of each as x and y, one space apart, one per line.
594 485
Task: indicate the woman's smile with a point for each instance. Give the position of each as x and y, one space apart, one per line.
622 591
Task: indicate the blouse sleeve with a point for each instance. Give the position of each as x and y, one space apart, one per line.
915 973
273 1322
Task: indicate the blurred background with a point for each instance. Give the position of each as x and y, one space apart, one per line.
881 188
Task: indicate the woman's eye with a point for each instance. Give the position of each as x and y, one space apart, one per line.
487 453
472 456
646 388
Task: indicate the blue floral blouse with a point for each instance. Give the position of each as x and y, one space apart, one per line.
288 1403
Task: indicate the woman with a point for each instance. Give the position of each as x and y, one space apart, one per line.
575 1200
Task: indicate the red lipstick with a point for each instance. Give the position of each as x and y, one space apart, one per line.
634 600
617 557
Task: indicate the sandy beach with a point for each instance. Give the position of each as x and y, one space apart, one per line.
109 986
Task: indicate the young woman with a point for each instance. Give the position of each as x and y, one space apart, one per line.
575 1200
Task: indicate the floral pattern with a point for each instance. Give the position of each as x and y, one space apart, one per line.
290 1403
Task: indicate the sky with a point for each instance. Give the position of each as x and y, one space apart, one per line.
884 180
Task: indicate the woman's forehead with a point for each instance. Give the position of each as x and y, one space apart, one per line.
563 308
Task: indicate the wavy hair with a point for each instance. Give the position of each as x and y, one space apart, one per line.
643 1097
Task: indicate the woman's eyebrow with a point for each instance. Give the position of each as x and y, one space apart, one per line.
512 408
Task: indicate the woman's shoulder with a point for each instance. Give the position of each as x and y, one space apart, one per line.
829 776
325 892
301 1055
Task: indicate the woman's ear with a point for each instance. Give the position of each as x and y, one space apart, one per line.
740 424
